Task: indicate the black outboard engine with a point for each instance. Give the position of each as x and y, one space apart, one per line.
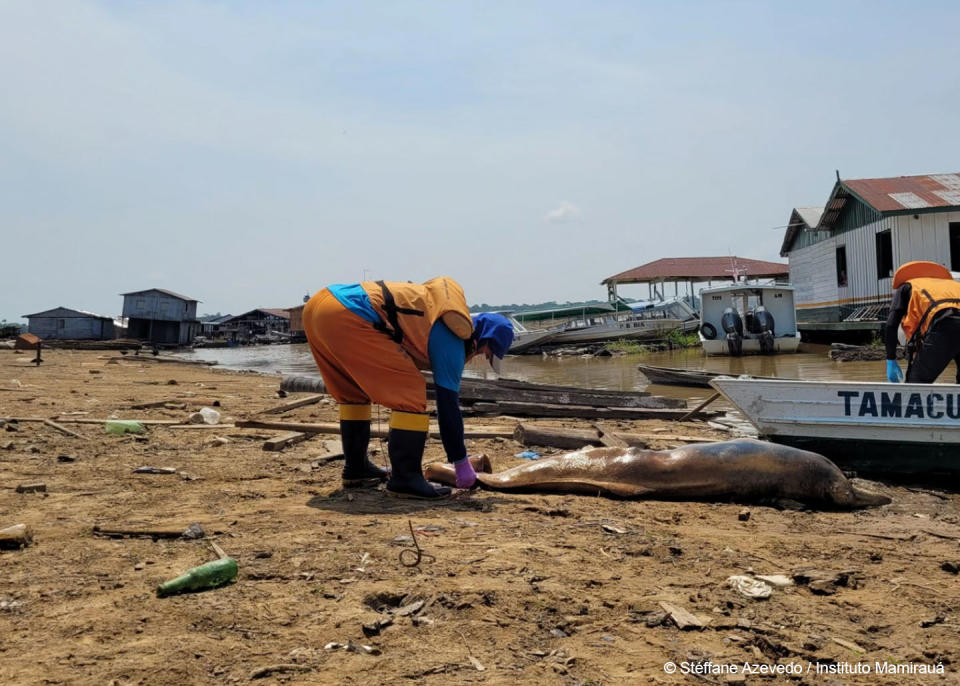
764 324
733 326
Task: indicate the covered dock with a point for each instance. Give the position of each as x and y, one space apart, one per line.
692 270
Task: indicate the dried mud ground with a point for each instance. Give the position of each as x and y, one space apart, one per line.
517 589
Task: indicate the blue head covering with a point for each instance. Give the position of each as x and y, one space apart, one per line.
494 329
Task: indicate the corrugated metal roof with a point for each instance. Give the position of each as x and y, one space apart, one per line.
277 312
699 269
901 193
66 313
165 292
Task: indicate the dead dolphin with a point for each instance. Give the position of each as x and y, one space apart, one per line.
743 469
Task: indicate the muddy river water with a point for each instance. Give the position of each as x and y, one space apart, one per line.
617 372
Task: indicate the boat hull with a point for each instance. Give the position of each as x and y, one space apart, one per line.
751 346
872 427
645 329
528 339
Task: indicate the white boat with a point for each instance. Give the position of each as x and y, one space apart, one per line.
872 427
748 318
650 322
524 338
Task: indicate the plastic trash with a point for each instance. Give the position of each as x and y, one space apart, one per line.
124 426
209 575
210 415
749 587
529 455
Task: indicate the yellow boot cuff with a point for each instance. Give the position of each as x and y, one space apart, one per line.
409 421
355 412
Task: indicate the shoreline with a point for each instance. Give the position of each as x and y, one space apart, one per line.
549 588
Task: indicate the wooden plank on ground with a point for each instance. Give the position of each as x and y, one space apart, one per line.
88 420
285 440
207 402
64 430
293 404
334 428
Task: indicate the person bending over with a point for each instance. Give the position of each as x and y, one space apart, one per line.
370 341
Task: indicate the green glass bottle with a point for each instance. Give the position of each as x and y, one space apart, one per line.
209 575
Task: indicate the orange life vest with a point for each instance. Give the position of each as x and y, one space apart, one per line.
409 311
927 297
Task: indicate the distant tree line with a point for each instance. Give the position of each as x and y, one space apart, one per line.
484 307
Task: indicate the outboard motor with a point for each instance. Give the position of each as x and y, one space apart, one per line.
764 324
733 326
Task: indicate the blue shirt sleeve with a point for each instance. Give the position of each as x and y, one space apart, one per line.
354 298
448 356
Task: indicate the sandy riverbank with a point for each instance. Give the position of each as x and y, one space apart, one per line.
521 589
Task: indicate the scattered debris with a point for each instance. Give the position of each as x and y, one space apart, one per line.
776 580
352 647
124 426
749 587
682 618
66 458
278 669
528 455
375 627
824 582
15 537
951 567
32 488
155 470
192 532
744 515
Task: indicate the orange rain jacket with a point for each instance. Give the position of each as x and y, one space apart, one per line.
927 297
361 362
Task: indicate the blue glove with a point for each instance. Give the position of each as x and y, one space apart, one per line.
894 375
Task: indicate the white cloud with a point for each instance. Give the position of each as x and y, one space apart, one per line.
565 212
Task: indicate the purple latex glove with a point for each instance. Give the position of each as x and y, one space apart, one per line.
466 477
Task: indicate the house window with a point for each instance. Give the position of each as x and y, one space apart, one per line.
842 265
61 324
955 246
884 255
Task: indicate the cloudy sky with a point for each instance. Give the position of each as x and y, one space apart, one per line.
247 153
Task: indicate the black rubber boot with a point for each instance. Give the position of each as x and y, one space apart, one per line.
358 470
406 477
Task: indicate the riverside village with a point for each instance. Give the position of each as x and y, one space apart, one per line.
177 509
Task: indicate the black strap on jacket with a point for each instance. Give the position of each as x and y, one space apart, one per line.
390 307
917 338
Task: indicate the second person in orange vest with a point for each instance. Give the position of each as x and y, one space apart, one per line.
926 304
370 341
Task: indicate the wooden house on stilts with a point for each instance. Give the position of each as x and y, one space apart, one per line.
842 256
